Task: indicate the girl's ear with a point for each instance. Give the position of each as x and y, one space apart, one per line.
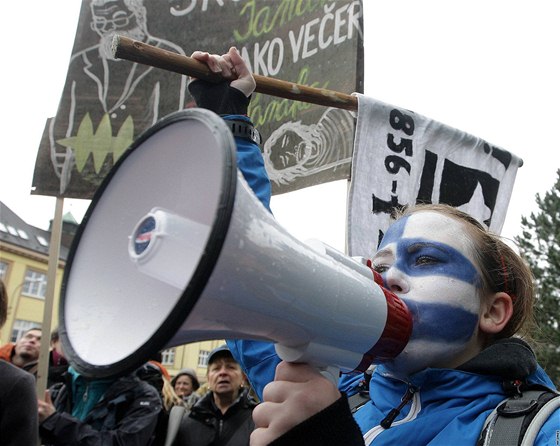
497 310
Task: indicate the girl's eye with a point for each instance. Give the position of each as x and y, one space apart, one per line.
426 260
380 268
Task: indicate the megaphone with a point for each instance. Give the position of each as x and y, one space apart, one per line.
175 248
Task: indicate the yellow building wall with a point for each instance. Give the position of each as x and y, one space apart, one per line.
32 309
21 306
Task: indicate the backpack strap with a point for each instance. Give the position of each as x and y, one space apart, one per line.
540 418
509 423
357 400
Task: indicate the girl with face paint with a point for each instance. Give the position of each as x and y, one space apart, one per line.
427 259
471 297
468 293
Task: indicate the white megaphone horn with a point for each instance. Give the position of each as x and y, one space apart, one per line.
175 248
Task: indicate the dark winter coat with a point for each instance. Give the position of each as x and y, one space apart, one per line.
18 406
127 414
206 425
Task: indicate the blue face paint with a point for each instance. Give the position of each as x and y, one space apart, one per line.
422 257
425 258
394 233
440 322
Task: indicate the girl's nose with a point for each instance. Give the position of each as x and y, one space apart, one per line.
396 281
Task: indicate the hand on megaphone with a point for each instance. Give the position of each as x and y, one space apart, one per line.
298 392
231 96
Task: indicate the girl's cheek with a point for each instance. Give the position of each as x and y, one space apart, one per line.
438 322
435 319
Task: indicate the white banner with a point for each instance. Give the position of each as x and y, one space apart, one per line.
401 157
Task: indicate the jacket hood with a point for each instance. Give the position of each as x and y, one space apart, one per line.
510 358
505 360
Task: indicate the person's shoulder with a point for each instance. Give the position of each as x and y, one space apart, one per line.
203 408
136 393
16 380
138 387
546 422
248 400
529 417
549 431
8 369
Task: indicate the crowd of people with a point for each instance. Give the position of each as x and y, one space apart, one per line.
131 410
471 298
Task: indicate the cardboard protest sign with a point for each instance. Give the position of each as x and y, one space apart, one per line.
107 103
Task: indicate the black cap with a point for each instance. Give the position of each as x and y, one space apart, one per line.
222 350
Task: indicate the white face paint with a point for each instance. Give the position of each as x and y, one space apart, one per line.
426 259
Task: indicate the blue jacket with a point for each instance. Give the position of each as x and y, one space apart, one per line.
447 406
251 164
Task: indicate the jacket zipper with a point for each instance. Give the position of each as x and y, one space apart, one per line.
394 413
411 394
85 397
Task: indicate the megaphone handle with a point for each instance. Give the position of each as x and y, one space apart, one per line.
330 372
298 354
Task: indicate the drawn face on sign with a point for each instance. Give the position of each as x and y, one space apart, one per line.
426 259
295 150
127 18
109 16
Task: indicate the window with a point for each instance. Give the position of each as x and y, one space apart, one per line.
203 358
20 327
12 231
168 356
3 270
42 240
23 234
35 284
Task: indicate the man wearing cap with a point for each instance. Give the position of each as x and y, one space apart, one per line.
224 415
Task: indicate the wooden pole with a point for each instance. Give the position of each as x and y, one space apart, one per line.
54 251
136 51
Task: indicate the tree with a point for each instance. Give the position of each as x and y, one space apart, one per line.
539 243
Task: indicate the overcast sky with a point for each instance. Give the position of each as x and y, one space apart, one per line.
487 67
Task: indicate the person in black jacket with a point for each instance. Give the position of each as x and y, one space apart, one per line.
110 411
18 419
224 415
